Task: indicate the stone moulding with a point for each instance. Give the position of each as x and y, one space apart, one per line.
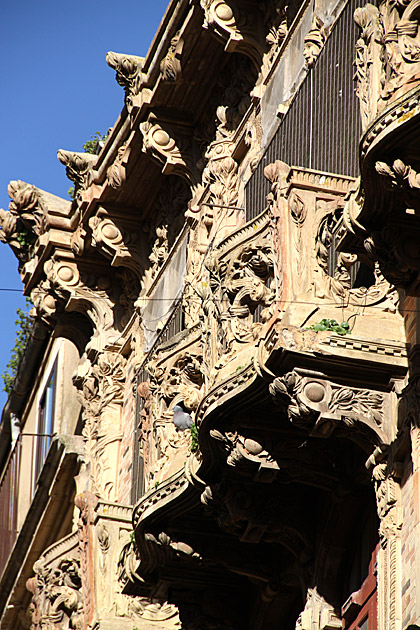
167 491
405 110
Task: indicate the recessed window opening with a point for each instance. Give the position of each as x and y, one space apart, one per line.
45 425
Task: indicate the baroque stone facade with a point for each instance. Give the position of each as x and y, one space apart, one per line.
225 253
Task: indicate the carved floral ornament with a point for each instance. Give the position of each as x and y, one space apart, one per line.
128 72
387 53
100 387
57 598
79 167
321 407
26 219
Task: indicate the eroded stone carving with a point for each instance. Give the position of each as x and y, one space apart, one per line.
170 66
101 386
387 53
320 406
128 72
175 378
57 599
79 167
314 42
239 285
25 220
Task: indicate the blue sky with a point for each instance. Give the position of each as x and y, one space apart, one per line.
57 91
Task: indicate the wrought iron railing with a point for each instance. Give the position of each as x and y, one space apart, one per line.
173 326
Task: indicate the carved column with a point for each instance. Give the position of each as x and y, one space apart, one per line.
101 385
389 557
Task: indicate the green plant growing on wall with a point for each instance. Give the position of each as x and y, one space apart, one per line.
194 438
332 325
24 325
91 145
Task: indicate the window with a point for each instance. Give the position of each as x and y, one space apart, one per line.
360 612
45 423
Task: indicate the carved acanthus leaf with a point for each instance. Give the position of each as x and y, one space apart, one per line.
56 595
25 221
320 406
79 166
128 71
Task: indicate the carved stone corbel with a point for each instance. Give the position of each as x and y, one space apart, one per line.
321 407
79 167
90 294
118 240
128 72
241 30
174 148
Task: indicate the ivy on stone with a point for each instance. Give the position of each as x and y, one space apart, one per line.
24 325
332 325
